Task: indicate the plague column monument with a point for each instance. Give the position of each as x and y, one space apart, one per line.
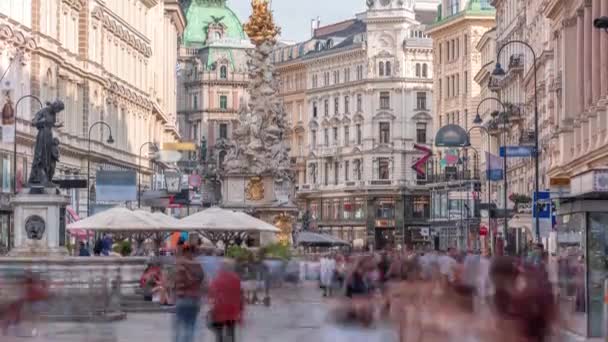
258 176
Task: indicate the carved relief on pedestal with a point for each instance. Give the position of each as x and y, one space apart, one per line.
255 189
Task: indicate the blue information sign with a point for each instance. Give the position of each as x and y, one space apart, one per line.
517 151
542 205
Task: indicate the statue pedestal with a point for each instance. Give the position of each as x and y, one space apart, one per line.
264 198
39 224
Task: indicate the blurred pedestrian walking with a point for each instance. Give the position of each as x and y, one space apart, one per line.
227 303
189 286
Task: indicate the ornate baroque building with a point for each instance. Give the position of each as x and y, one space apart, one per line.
359 94
578 88
212 76
111 60
457 30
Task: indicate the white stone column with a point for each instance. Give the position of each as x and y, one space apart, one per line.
587 54
580 64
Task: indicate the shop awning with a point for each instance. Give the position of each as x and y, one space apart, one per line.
316 239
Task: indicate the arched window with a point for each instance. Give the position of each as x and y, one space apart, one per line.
381 69
388 69
417 69
425 70
223 72
218 35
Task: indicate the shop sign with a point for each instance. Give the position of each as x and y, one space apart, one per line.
385 223
559 182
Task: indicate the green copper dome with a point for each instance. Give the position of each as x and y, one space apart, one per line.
201 13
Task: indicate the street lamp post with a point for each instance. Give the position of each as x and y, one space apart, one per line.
466 206
109 141
499 72
15 138
478 122
139 171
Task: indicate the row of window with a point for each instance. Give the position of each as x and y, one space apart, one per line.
382 167
454 118
354 169
336 139
338 76
451 49
384 135
359 106
452 85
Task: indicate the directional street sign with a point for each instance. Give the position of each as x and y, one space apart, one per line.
517 151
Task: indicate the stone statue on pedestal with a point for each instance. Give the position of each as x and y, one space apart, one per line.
46 149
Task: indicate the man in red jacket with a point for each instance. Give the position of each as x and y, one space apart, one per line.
226 301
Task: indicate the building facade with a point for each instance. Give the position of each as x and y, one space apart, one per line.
578 88
368 102
459 27
525 21
108 60
213 77
292 72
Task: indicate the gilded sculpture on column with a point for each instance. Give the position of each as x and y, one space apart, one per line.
261 27
285 223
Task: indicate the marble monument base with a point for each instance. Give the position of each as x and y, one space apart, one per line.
265 198
39 224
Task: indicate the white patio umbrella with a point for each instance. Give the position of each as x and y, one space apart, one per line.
120 220
224 220
170 222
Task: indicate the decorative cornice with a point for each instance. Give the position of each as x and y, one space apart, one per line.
17 38
124 92
122 32
77 5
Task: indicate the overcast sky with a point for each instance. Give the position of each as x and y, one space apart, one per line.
293 16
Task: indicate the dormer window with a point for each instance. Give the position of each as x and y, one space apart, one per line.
223 72
215 30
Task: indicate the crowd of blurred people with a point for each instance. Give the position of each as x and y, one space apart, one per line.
443 295
422 295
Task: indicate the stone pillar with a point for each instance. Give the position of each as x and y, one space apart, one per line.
580 64
587 54
595 50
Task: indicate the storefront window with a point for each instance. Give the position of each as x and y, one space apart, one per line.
443 205
336 210
571 245
421 207
347 209
327 210
359 208
597 253
385 209
314 210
